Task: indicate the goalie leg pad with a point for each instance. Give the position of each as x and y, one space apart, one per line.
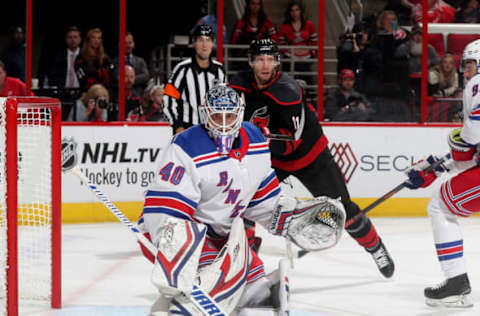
179 243
226 277
182 305
160 306
269 295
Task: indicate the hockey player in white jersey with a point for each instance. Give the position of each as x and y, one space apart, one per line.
210 177
459 195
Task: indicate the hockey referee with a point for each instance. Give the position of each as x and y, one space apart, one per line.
190 81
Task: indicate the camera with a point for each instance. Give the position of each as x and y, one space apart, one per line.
353 36
101 103
347 41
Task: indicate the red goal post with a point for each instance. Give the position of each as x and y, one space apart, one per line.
30 204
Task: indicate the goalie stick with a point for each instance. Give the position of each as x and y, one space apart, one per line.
383 198
200 298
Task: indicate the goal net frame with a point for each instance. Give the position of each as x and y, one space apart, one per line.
14 106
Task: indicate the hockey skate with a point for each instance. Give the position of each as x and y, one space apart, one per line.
453 292
383 260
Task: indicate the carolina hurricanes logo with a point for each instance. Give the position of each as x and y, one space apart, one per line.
345 159
260 121
260 117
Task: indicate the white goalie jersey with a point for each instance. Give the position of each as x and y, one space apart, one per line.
196 183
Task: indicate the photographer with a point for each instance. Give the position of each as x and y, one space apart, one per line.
350 48
355 51
346 104
92 105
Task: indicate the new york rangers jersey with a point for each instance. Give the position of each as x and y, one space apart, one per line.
195 182
471 111
461 193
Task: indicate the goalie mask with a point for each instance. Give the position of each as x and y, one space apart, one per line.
222 114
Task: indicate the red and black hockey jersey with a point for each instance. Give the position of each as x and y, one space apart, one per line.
281 107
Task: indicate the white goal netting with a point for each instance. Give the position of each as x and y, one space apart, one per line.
34 202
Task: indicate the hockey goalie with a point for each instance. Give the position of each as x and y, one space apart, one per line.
210 178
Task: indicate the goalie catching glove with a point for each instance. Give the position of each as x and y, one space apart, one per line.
312 224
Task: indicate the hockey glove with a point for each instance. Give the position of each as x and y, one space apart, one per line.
312 224
420 177
461 151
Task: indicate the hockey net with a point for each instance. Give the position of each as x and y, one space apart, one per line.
30 202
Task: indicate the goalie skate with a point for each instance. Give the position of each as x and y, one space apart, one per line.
453 292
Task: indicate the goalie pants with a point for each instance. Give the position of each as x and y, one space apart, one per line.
323 178
459 196
212 247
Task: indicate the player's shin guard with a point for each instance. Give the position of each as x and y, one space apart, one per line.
448 237
455 290
365 234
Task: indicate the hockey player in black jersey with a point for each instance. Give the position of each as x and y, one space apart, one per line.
275 103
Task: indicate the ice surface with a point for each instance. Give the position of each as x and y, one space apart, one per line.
105 274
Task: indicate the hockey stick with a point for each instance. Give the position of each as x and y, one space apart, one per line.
393 191
280 137
200 298
383 198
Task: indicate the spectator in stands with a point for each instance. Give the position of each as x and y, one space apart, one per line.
411 51
387 39
13 56
438 12
138 63
387 24
355 50
346 104
92 105
296 30
133 95
93 65
468 12
254 24
210 19
443 78
151 108
403 9
62 73
10 86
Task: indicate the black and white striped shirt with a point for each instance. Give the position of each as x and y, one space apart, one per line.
186 89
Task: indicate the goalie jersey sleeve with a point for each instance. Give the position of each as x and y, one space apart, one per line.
194 182
471 112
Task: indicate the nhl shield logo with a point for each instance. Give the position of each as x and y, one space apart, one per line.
69 154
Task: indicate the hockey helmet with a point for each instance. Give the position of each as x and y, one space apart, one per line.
203 30
221 114
263 47
471 52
